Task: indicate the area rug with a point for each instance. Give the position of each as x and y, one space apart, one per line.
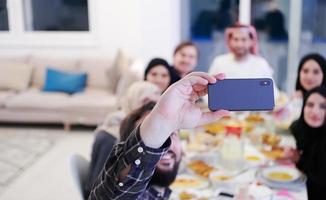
20 148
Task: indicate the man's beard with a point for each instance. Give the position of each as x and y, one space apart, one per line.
164 178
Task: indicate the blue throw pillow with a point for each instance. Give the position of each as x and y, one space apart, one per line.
60 81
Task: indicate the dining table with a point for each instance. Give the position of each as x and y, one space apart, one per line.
212 168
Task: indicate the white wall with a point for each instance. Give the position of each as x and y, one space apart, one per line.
160 27
143 28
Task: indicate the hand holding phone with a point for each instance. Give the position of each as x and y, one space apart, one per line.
241 95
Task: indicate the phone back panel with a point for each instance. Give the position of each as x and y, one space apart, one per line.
241 94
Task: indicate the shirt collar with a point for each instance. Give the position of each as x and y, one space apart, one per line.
154 192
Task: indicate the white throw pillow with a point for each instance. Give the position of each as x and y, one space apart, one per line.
96 69
15 76
126 80
120 66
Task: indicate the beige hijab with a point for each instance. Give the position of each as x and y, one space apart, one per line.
138 94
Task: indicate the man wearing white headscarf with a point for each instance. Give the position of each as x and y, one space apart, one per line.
243 60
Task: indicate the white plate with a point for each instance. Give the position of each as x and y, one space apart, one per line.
217 182
280 174
189 182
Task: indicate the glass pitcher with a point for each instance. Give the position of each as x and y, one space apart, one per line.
232 150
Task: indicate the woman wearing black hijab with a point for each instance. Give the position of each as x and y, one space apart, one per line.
159 72
310 135
311 73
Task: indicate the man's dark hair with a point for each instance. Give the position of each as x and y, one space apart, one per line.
185 44
130 122
159 178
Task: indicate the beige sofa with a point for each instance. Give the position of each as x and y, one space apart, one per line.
22 99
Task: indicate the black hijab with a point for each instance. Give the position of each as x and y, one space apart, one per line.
158 61
302 132
311 142
321 62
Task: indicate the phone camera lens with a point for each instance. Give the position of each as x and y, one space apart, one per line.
264 83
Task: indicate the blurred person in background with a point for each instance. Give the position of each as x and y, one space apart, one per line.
309 132
275 25
157 77
137 94
311 73
185 58
243 60
224 16
159 72
272 22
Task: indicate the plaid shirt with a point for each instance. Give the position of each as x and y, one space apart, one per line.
142 160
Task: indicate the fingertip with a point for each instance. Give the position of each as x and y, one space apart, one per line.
212 80
220 76
223 113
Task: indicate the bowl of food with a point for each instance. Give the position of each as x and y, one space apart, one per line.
254 159
280 174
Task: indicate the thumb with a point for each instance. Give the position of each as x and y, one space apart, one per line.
209 117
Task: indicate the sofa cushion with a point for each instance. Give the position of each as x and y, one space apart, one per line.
134 74
4 96
15 76
60 81
14 59
97 69
91 100
120 66
37 99
40 64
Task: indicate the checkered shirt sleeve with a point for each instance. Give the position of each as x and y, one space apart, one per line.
142 160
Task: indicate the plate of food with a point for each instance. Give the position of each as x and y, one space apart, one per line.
191 194
200 168
203 142
274 154
281 174
215 128
188 181
255 118
272 140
